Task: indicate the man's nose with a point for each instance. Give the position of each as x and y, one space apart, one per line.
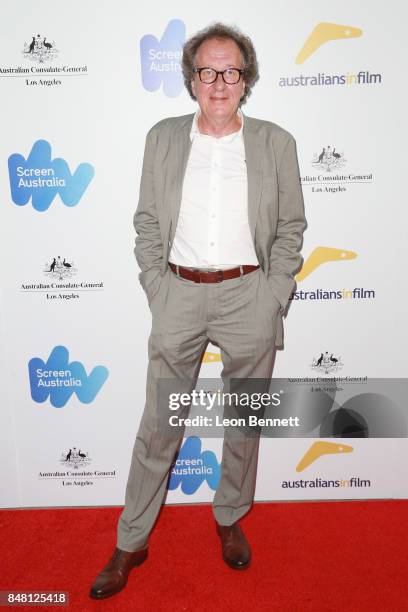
219 82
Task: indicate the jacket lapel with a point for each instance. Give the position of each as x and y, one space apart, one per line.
254 150
180 153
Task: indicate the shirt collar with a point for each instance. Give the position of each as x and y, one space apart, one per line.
194 132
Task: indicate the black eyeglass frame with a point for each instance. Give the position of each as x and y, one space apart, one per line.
217 72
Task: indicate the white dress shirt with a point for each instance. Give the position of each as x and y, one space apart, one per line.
213 228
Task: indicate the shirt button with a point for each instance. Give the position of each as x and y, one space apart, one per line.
212 243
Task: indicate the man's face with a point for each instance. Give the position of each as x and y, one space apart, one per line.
218 100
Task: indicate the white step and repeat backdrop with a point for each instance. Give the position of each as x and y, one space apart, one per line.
81 83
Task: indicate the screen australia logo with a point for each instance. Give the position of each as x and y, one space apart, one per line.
58 379
161 59
41 178
192 467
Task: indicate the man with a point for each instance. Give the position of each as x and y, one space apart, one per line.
219 222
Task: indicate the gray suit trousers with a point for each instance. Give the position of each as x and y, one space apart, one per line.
239 315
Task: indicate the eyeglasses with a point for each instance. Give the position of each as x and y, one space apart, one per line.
231 76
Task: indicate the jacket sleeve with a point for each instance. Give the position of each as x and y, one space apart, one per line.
285 259
148 244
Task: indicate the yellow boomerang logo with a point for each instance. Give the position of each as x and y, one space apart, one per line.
320 256
321 448
323 33
211 357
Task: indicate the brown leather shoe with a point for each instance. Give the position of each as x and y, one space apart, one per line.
114 576
236 551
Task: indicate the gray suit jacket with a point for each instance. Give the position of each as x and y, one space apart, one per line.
275 202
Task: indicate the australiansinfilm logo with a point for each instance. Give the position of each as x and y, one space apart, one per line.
325 33
38 66
330 172
60 281
41 178
314 453
76 469
58 379
323 255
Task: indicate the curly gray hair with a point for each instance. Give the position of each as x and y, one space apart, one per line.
220 30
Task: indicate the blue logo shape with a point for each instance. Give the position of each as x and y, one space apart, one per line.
161 60
41 178
59 379
192 467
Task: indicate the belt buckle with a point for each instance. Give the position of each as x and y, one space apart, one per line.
202 276
197 276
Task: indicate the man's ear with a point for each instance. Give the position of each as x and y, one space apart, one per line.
193 87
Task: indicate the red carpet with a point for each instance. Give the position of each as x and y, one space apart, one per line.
327 556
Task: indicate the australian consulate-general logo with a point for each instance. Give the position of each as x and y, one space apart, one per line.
59 281
39 54
75 470
328 160
330 173
39 50
60 268
327 363
75 458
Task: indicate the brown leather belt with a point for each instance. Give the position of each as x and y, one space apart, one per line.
216 276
